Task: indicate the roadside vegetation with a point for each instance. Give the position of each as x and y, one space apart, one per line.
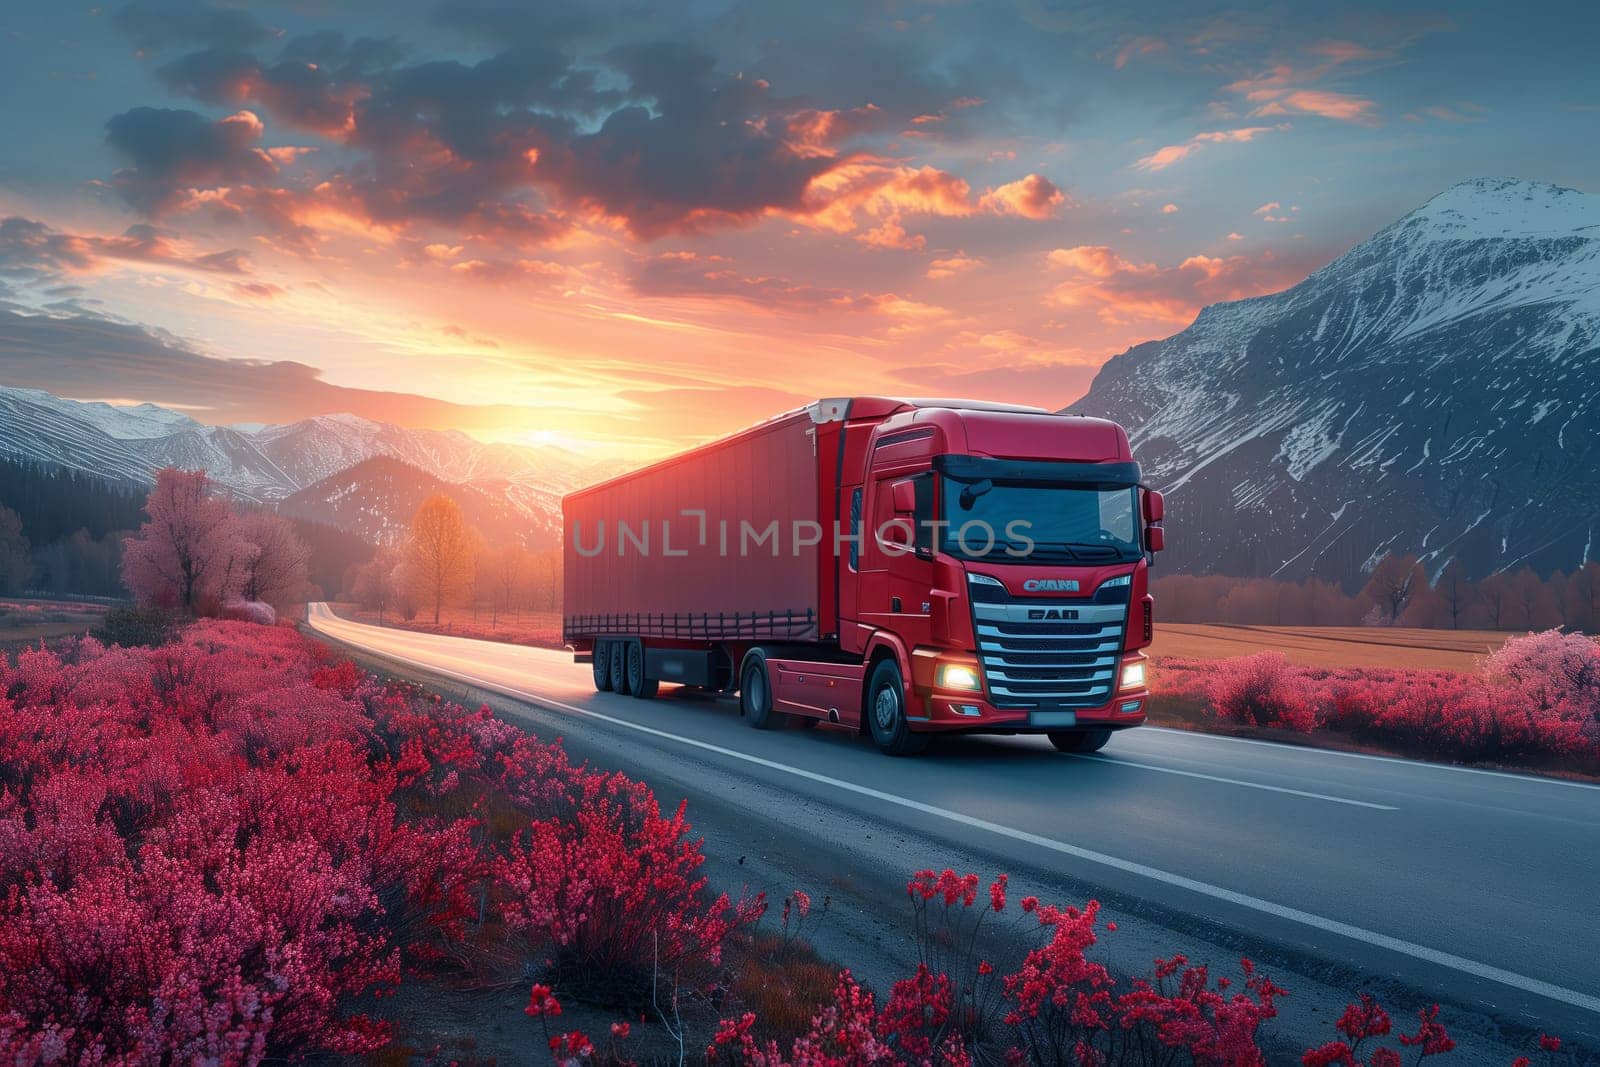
235 847
1532 703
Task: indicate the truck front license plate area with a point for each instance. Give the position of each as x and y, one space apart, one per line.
1053 719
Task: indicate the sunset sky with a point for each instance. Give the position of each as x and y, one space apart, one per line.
627 226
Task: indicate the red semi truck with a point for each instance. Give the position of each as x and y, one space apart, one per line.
899 567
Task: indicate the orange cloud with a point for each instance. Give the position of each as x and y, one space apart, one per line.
1122 291
952 265
1166 156
1139 46
1282 91
1032 197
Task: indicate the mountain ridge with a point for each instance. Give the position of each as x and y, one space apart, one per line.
515 487
1433 390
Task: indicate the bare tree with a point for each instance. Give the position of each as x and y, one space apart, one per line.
1395 580
190 553
439 554
1455 592
276 572
507 570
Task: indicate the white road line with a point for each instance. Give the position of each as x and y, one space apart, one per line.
1120 762
1428 765
1435 956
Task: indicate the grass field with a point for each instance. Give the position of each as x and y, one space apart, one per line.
26 622
1331 646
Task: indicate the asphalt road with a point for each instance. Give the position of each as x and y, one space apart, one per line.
1422 882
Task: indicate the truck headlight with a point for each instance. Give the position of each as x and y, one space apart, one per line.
1132 675
1112 583
959 676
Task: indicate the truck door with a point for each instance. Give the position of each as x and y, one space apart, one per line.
897 556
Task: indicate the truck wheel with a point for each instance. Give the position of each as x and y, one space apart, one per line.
1079 740
755 694
602 666
640 686
886 712
617 660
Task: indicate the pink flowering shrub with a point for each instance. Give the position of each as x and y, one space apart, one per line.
1554 673
216 849
1535 701
1261 690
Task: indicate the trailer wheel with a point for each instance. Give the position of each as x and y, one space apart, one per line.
886 712
755 693
1079 740
602 666
638 685
617 659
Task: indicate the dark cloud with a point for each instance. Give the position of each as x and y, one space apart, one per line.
500 21
34 251
174 150
313 85
165 23
658 137
708 150
88 355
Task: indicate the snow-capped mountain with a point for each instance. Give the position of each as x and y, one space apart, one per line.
300 460
1435 390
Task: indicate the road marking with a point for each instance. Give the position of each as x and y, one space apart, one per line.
1448 960
1282 746
1120 762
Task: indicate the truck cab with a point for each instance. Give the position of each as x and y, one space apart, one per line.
1002 573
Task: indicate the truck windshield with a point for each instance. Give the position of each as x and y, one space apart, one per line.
1015 522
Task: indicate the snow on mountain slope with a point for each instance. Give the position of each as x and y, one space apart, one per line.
1434 390
38 426
272 463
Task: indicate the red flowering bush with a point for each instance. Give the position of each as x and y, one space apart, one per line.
1058 1006
214 849
1536 701
1261 690
612 896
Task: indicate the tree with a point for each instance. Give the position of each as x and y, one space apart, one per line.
439 553
16 556
376 586
1456 594
189 553
1395 580
1495 594
1583 598
507 568
276 573
1533 605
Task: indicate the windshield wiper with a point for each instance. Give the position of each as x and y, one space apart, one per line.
1115 550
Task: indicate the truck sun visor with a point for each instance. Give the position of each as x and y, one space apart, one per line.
1046 472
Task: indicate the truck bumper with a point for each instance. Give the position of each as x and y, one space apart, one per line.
955 709
971 712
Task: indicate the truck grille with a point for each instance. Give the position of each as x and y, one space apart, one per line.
1065 659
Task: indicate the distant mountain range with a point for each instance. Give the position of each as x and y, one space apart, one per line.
363 476
1435 390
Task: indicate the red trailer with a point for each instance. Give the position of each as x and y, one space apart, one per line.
894 566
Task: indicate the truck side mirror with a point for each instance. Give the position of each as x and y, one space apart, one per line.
1155 538
1155 507
904 494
